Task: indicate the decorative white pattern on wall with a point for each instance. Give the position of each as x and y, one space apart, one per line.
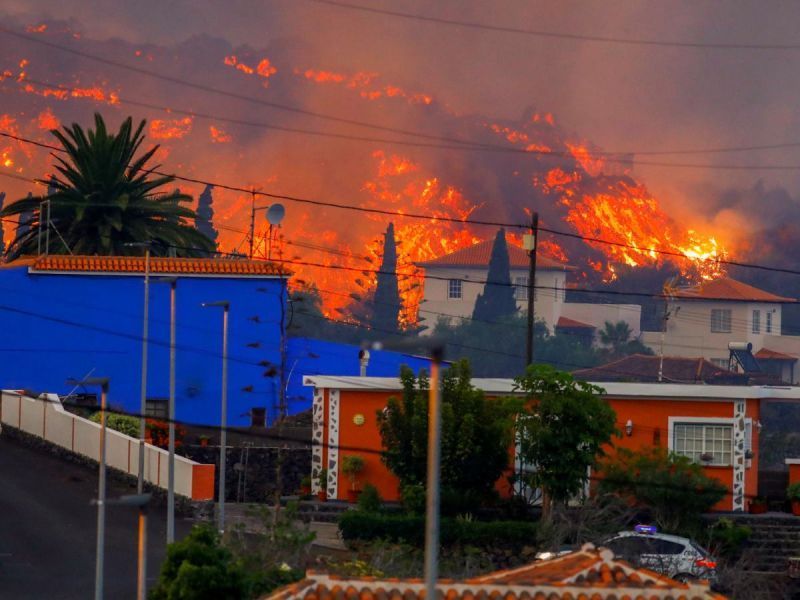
317 438
739 435
333 443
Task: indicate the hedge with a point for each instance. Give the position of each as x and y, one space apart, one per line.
410 529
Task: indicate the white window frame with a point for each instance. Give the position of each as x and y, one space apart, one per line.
712 421
756 321
721 325
768 323
452 284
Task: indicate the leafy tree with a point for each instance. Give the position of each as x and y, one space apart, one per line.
387 305
476 433
198 567
671 486
497 299
105 197
562 431
204 221
616 338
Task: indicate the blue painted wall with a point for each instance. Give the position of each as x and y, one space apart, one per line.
60 326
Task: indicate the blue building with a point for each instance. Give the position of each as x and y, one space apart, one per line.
72 317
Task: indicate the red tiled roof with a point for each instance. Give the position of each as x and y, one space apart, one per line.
158 265
730 290
588 573
479 255
566 323
767 354
641 367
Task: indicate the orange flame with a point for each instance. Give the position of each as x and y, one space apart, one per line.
164 129
218 135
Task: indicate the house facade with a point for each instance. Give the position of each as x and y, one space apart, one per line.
453 281
716 425
702 321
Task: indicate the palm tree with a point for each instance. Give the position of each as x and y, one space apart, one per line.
615 336
104 198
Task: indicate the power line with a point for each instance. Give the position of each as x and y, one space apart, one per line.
554 34
428 217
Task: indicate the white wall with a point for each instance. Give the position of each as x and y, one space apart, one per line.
598 314
46 418
435 302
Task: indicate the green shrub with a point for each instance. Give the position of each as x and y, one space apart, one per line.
370 499
726 538
123 423
412 497
672 487
359 525
793 491
199 567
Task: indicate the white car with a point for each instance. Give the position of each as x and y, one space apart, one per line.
677 557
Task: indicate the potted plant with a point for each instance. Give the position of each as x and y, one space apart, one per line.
352 466
758 505
322 480
793 494
305 486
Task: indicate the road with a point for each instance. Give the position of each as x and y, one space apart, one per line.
48 530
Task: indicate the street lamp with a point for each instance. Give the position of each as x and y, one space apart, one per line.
173 282
435 346
101 482
139 501
223 424
145 328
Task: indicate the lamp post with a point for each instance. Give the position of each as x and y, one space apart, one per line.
139 501
101 483
223 424
173 282
145 329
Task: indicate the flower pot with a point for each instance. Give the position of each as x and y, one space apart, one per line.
352 496
322 495
796 507
758 508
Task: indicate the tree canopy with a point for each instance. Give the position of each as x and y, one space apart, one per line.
386 302
497 299
562 431
104 197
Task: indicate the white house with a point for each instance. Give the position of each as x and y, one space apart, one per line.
702 320
453 282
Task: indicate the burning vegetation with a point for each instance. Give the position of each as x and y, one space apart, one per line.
495 170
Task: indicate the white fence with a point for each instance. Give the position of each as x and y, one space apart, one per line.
46 418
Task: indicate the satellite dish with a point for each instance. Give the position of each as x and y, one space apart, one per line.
275 214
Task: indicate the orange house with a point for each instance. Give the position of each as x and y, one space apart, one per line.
717 425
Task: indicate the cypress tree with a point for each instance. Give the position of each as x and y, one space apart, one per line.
497 299
386 313
204 221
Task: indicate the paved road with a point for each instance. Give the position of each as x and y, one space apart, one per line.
48 529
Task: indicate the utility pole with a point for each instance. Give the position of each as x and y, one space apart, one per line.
434 468
252 221
143 398
171 465
530 243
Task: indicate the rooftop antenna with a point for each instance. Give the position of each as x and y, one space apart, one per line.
275 215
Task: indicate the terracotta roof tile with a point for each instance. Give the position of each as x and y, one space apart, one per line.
767 354
588 574
478 256
158 265
730 290
567 323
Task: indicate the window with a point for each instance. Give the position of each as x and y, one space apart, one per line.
721 320
158 408
756 321
521 288
454 291
694 440
722 363
769 322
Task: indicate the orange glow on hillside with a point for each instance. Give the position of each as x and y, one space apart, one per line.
219 136
165 129
47 120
